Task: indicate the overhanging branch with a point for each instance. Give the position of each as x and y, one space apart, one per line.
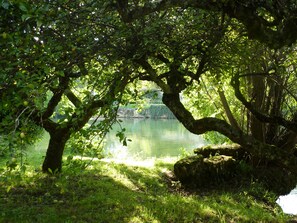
203 125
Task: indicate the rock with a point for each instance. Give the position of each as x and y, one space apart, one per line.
186 169
234 150
201 171
212 150
214 165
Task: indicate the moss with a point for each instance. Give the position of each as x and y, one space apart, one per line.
231 164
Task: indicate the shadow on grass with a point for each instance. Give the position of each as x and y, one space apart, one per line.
120 193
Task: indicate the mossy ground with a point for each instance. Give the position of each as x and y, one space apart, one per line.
114 192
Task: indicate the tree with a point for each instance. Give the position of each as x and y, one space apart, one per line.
176 44
56 53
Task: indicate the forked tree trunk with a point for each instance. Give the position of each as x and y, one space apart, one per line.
53 159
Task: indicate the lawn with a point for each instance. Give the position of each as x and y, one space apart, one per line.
115 192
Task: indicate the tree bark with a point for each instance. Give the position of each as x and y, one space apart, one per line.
257 127
291 125
228 111
54 154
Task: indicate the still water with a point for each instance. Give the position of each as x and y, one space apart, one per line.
151 138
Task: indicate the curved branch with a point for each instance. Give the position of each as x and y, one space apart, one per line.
200 126
235 83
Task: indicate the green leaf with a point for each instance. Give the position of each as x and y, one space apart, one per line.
39 23
5 5
8 189
125 142
25 17
61 73
23 7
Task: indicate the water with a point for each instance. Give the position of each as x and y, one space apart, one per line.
152 138
289 202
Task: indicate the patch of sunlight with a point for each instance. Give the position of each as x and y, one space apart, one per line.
142 214
136 219
208 211
121 178
168 159
148 163
131 162
85 158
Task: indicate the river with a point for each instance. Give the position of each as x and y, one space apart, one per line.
152 138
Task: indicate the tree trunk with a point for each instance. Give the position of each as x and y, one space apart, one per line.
228 111
53 159
257 127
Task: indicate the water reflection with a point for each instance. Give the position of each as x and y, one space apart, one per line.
289 202
151 138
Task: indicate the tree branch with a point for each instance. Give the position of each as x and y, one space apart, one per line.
228 111
56 98
281 32
200 126
72 97
152 74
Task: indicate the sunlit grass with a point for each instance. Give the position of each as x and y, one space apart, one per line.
109 191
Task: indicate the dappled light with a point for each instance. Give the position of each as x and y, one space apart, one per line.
148 111
110 192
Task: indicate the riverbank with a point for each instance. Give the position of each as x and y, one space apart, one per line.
154 111
114 192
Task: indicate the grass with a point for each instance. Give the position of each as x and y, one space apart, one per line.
117 192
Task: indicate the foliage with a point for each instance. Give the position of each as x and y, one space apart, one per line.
66 62
85 143
59 71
